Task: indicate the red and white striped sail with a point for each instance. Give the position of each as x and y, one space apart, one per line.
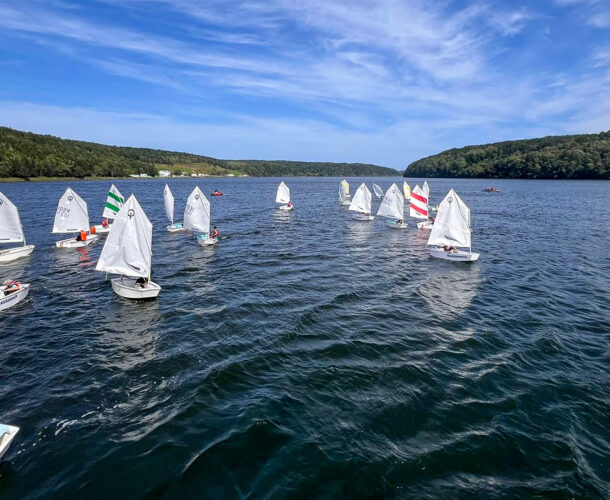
418 207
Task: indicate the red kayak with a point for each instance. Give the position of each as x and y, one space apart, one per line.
216 193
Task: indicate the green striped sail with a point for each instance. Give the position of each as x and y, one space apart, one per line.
114 202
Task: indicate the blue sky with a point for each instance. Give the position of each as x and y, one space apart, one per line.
379 81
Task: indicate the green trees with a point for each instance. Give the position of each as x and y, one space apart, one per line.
24 155
553 157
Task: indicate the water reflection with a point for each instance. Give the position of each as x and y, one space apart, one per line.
449 290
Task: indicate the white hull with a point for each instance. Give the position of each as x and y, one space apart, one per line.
176 228
72 243
6 438
11 254
206 241
363 217
14 298
126 287
345 203
425 225
99 229
286 207
456 255
396 225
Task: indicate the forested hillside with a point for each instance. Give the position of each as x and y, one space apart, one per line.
553 157
26 155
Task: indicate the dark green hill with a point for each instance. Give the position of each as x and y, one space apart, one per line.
25 155
554 157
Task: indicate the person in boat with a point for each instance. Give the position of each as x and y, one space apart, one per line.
215 233
450 249
105 223
82 236
399 221
142 282
11 286
289 204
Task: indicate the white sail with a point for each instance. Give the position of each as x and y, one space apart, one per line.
452 224
114 202
72 215
283 193
343 190
378 191
10 223
407 190
361 202
393 204
426 190
418 207
128 248
197 212
168 199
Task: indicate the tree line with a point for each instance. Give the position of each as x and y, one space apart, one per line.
585 156
25 154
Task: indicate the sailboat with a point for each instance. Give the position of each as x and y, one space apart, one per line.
418 208
378 191
128 252
7 434
168 199
361 203
406 190
72 216
197 217
344 196
393 207
11 293
11 231
114 202
426 191
451 232
283 196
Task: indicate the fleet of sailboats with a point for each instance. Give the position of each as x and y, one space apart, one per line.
114 202
344 196
392 207
128 253
361 203
72 216
283 196
11 231
451 233
128 248
168 201
197 217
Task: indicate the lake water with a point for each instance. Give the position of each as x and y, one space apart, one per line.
311 356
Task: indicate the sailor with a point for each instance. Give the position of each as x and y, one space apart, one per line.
215 233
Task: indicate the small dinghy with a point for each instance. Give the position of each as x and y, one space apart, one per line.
11 231
114 202
197 217
168 200
491 189
283 196
128 252
406 190
418 208
378 191
7 434
11 293
392 207
451 233
72 216
216 193
344 196
361 203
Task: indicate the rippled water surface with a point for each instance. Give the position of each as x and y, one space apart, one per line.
311 356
